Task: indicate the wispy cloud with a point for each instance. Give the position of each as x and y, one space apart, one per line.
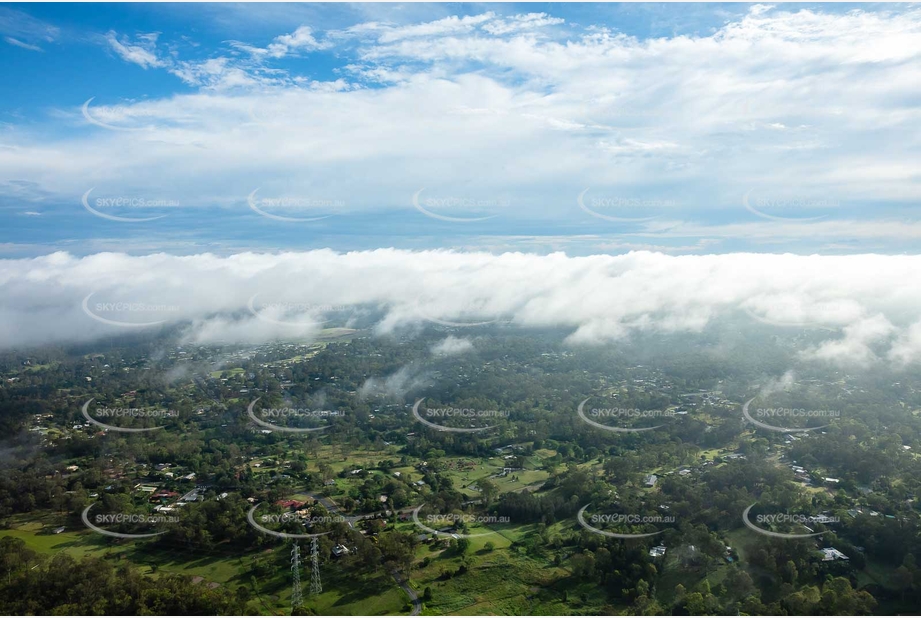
18 43
142 52
23 30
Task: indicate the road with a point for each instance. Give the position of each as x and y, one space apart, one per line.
413 596
328 504
333 508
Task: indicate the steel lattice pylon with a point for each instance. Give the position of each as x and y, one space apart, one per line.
296 599
316 587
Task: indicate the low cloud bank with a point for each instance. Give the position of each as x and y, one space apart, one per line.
870 304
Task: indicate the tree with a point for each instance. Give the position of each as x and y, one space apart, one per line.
489 491
789 573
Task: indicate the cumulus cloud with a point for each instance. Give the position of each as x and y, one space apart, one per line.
777 385
452 346
872 316
857 345
518 23
283 45
908 346
395 386
698 121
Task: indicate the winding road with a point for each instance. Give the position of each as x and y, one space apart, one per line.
413 595
333 508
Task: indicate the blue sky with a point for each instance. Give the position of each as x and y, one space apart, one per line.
584 128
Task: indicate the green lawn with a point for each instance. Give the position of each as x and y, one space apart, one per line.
377 594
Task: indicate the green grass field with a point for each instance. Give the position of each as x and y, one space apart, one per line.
377 594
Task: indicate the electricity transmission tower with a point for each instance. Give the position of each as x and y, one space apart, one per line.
296 599
315 586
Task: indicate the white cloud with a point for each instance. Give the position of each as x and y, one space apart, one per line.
446 26
24 30
872 315
452 346
300 39
685 112
907 349
857 345
18 43
143 52
221 72
777 385
797 102
518 23
396 385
